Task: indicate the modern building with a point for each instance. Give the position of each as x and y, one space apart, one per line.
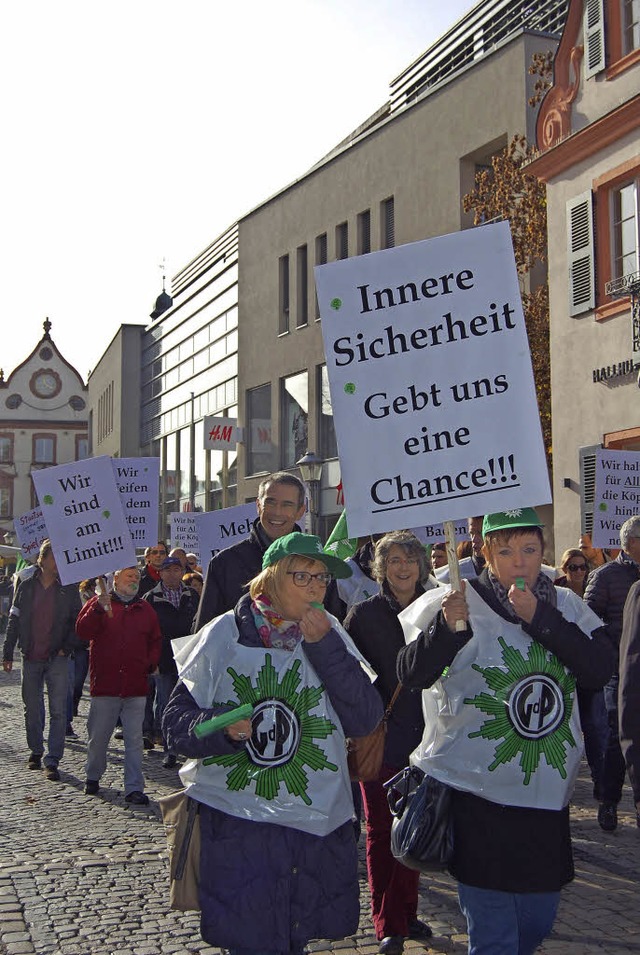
588 133
114 396
43 421
400 177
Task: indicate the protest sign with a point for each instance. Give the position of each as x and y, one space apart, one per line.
432 390
221 528
617 494
84 516
137 480
31 530
184 532
435 532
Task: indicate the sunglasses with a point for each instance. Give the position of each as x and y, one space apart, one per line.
574 567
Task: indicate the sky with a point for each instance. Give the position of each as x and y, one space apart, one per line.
135 132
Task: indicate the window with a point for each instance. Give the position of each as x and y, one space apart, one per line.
625 217
594 47
387 223
294 416
580 254
302 311
621 25
260 451
43 449
283 321
6 507
82 447
587 463
364 232
630 25
326 430
321 259
342 241
6 449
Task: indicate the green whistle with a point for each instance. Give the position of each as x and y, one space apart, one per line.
317 605
225 719
520 583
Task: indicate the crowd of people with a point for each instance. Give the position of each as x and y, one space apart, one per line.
320 647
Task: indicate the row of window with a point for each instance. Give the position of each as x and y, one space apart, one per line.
265 454
363 245
43 448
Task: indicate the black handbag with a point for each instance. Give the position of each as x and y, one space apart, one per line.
422 827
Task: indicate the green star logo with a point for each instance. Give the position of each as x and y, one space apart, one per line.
283 733
529 708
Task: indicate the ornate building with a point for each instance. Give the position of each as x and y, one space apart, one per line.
43 421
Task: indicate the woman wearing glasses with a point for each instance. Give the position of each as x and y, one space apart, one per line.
401 567
278 862
574 569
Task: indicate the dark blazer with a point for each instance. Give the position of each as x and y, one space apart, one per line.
67 608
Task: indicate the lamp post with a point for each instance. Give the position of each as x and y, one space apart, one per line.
311 472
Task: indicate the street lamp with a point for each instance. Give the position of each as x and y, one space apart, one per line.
311 472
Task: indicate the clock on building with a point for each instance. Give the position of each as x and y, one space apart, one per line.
45 383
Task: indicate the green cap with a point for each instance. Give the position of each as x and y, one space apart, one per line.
304 545
509 520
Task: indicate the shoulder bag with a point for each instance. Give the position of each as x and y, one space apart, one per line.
365 753
181 819
422 827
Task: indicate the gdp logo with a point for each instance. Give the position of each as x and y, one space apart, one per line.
529 709
275 733
283 734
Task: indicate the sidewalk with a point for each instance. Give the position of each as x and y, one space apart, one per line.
81 875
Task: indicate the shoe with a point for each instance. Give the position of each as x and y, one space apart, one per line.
608 816
71 732
51 772
91 787
169 761
391 945
35 761
419 931
137 798
147 742
118 734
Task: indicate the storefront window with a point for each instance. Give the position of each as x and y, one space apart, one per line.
294 415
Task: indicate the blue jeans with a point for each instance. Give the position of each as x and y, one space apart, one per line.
165 683
595 729
54 674
506 923
103 716
614 769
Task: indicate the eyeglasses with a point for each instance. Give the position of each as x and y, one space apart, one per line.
303 578
401 561
162 553
574 567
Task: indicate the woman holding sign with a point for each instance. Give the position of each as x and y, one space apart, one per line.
278 861
504 730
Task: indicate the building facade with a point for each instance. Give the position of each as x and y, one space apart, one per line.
588 133
399 178
43 421
114 396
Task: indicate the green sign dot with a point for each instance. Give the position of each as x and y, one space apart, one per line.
106 514
602 507
336 304
350 388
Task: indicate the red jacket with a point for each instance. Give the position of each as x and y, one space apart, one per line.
125 648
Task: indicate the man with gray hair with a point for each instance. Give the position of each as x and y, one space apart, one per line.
42 622
606 593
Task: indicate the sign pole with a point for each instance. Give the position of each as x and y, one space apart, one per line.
454 566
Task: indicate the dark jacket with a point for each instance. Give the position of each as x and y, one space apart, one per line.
149 578
174 621
376 631
607 589
509 848
125 648
228 574
629 688
266 887
67 607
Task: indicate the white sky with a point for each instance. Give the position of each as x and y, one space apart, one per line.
138 130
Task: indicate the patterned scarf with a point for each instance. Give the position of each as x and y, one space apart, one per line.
273 629
542 589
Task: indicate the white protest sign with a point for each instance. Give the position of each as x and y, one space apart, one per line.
84 516
617 494
31 530
432 391
137 480
184 532
221 528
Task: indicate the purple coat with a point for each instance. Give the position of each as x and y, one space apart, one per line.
266 887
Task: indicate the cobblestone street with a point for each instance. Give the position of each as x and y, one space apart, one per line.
82 875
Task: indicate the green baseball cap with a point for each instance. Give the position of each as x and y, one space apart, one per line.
509 520
304 545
